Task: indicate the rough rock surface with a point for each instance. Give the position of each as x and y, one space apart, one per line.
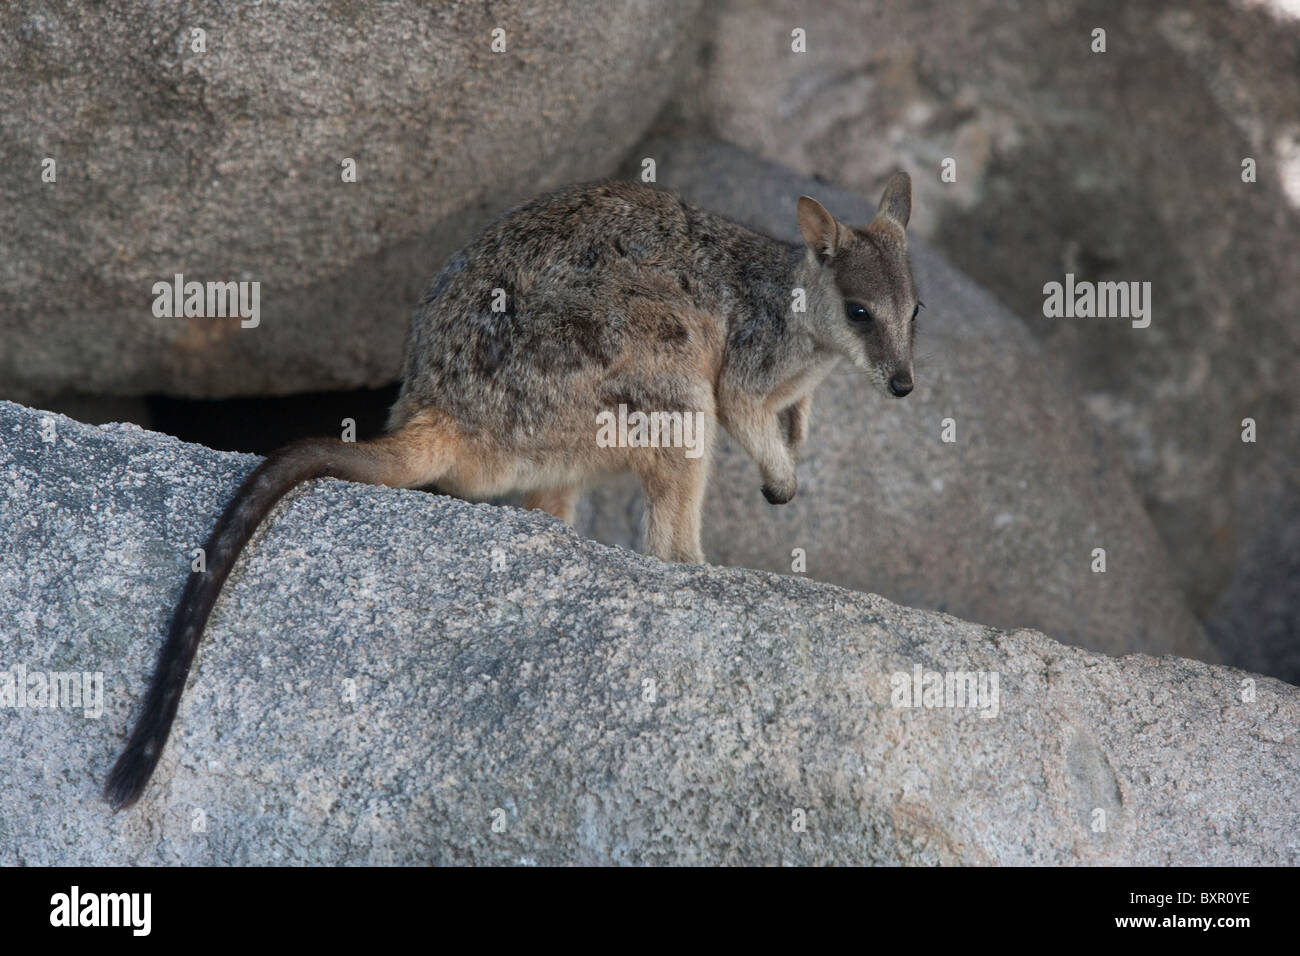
1116 166
998 526
226 165
389 672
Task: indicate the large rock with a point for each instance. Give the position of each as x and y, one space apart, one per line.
389 672
225 165
998 526
1116 166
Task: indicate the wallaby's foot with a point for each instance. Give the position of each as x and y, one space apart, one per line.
560 502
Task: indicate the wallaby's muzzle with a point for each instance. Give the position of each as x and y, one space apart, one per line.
900 384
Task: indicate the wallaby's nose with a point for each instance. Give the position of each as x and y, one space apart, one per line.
901 384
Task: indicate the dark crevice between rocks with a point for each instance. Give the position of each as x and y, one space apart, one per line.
250 424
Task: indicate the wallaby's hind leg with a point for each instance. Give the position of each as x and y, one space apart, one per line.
674 497
674 488
560 502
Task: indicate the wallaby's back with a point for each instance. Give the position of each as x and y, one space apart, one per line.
591 278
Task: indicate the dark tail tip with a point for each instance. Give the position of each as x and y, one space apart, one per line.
129 776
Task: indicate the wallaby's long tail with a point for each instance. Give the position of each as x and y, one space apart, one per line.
403 458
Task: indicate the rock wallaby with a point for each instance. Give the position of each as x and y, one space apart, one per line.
571 306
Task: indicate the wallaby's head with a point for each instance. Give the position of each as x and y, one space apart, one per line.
863 301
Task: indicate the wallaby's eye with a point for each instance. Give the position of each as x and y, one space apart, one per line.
857 312
915 311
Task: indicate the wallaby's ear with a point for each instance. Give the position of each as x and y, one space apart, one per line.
820 231
896 203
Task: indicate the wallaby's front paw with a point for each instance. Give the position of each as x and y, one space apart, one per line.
779 494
